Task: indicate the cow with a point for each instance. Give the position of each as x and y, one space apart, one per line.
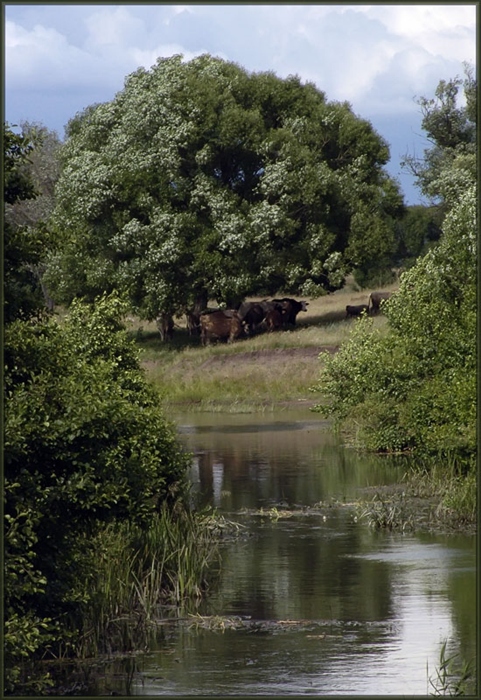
219 324
274 320
193 314
251 314
165 326
270 305
290 309
358 310
375 299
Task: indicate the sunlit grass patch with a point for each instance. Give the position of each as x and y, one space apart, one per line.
251 373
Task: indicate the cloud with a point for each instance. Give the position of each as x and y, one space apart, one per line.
41 56
116 27
62 58
345 49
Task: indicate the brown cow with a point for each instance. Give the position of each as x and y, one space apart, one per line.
220 324
375 299
356 310
274 320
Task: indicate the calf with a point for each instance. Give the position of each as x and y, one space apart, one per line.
356 310
274 320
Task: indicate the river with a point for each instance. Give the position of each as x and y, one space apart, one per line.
310 599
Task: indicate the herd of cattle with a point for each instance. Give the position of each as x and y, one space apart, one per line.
251 316
254 316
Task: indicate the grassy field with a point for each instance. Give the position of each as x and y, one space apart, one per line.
264 372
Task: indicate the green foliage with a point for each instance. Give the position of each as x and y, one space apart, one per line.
85 444
200 180
451 128
17 184
418 230
23 247
416 388
130 570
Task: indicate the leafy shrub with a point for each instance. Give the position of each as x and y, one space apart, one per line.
86 443
416 387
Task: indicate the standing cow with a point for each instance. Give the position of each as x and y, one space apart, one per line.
290 309
220 325
375 299
165 326
353 311
274 320
251 314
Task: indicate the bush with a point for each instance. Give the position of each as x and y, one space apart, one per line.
86 444
416 387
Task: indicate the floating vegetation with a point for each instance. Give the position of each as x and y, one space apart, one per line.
389 514
283 511
313 629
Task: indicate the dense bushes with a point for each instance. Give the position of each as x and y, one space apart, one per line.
415 388
86 444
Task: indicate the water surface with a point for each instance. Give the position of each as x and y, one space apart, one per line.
314 601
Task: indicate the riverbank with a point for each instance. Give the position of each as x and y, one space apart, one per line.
276 371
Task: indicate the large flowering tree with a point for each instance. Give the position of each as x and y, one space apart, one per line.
200 180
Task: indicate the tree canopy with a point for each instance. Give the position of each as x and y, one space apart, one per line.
200 180
24 246
450 125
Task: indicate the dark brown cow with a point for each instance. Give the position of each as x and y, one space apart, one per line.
375 299
270 305
356 310
220 324
290 309
251 314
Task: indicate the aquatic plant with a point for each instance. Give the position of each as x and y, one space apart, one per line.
138 570
388 514
451 678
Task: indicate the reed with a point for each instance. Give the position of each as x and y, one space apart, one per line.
452 677
137 571
388 513
452 482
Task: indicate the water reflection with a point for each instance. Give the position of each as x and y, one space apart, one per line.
248 463
324 604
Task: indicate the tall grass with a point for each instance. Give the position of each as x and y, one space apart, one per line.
137 571
452 482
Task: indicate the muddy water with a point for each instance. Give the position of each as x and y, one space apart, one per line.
310 599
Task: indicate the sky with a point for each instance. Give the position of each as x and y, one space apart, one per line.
61 58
